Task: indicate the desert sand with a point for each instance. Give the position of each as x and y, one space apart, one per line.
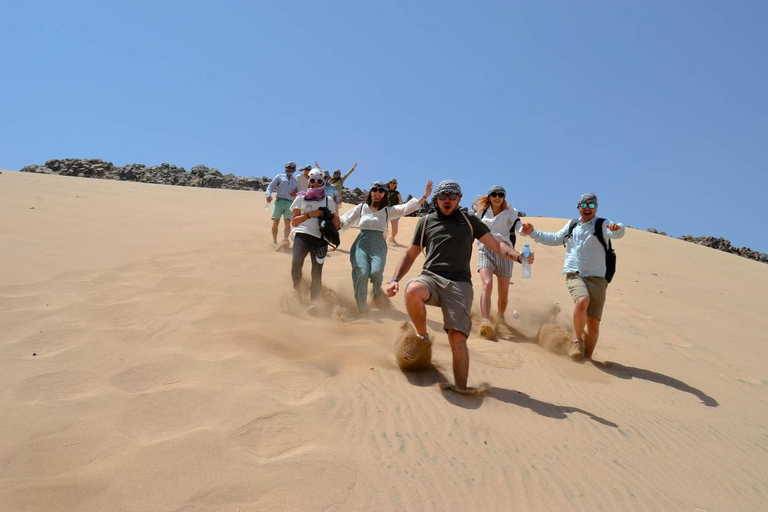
153 359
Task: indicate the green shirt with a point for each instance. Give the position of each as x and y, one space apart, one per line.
448 242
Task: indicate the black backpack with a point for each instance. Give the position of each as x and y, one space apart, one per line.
610 254
512 234
328 231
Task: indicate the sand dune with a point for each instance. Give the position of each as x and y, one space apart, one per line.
153 358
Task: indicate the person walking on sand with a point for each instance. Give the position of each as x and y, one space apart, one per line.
584 270
303 178
338 182
286 187
394 198
495 213
306 211
368 253
446 235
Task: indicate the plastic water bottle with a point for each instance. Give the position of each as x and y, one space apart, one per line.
266 206
526 265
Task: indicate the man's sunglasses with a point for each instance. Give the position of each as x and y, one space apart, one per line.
497 194
443 195
378 189
591 206
313 181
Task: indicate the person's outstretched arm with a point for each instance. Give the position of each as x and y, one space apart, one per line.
343 179
406 262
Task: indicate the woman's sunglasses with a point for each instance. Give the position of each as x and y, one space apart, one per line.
313 181
443 195
378 189
497 194
591 206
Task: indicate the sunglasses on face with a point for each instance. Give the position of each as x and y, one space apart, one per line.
378 189
591 206
313 181
497 194
447 195
393 183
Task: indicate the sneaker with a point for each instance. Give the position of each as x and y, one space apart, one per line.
576 349
312 308
486 330
426 338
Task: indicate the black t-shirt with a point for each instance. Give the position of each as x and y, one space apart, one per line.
449 241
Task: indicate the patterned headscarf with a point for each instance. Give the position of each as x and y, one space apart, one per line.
589 197
447 186
497 189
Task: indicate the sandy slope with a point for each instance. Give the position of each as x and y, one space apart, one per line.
173 371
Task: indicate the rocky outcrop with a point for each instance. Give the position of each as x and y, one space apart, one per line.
164 174
724 245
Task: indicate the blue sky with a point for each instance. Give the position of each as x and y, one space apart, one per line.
657 106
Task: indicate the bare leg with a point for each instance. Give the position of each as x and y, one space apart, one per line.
580 315
503 295
394 230
416 295
486 276
458 341
287 230
593 332
275 224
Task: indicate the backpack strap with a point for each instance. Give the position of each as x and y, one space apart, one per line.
482 215
599 233
570 230
512 234
471 229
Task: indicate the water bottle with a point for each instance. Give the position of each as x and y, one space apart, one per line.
266 205
526 265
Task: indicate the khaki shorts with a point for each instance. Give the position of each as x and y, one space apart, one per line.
593 287
453 297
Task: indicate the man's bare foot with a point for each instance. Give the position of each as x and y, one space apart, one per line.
482 388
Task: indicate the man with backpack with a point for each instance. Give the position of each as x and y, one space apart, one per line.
446 236
589 266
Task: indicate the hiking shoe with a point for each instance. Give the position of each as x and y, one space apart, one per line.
576 349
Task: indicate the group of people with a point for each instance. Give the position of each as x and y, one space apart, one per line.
287 186
446 236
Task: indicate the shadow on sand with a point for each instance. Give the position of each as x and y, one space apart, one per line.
433 376
630 372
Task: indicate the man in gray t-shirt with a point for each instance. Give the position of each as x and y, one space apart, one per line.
447 236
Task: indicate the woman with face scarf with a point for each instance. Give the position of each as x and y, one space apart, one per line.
306 230
368 253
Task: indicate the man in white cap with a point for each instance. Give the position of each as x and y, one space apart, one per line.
446 235
584 268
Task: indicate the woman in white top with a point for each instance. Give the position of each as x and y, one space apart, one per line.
306 231
494 211
368 253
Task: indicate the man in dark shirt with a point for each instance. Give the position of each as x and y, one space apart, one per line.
447 236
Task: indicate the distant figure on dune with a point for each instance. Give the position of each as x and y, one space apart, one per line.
584 269
495 213
394 198
369 250
303 178
446 236
286 187
306 210
338 182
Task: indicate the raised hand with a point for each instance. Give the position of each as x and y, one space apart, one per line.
428 189
613 227
527 228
